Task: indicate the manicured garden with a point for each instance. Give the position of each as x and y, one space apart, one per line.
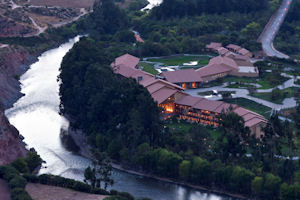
277 96
251 105
148 68
180 60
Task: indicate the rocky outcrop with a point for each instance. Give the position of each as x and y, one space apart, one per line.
13 63
11 146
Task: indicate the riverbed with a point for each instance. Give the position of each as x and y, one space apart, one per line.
36 116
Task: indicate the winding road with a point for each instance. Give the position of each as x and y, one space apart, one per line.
272 28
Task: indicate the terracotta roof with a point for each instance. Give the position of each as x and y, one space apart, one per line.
124 70
154 81
182 76
155 87
213 69
188 100
163 94
128 60
138 37
223 60
234 47
141 75
222 50
243 51
213 45
238 57
253 122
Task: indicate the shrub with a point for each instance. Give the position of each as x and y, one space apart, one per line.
19 194
20 165
31 178
17 182
8 172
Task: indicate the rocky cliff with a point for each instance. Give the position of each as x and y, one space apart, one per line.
11 146
13 63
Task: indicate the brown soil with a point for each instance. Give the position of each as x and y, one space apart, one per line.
4 190
64 3
46 192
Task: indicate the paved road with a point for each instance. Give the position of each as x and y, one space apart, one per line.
272 28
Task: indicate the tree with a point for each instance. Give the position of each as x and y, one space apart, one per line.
184 169
201 171
271 186
100 173
20 165
256 185
33 160
252 30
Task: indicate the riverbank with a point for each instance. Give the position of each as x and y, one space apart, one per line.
79 139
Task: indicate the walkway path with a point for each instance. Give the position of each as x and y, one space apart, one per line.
244 93
272 28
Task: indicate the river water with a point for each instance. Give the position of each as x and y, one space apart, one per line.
36 116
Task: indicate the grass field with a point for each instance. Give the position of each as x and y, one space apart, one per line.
185 127
286 93
148 68
179 60
251 105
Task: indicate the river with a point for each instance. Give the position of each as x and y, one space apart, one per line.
36 116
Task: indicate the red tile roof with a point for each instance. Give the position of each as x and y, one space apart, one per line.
213 45
234 47
188 100
128 60
243 51
213 69
222 50
182 76
163 94
223 60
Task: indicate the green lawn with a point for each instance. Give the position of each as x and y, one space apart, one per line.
185 127
286 93
148 68
179 60
251 105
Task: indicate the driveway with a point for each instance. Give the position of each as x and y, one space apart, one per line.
272 28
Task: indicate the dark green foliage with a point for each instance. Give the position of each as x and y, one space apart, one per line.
106 18
8 172
17 182
33 160
19 194
20 165
179 8
104 105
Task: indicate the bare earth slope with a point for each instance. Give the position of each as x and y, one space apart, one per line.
4 190
11 146
46 192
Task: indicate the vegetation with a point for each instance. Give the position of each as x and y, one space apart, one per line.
148 68
288 37
13 175
180 60
251 105
277 95
100 173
